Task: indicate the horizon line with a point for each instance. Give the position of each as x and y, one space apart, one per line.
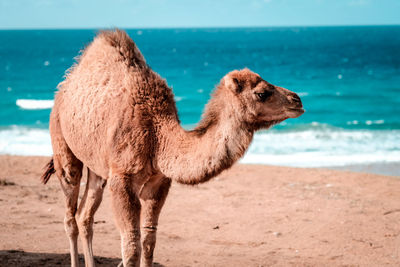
199 27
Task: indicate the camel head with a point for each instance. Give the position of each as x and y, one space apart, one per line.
260 103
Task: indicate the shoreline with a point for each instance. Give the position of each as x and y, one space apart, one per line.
379 168
250 215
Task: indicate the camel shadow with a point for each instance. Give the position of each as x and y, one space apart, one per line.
33 259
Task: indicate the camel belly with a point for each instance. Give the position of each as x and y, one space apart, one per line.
107 135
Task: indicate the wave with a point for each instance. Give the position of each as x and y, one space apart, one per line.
324 146
312 147
321 159
367 122
25 141
34 104
302 94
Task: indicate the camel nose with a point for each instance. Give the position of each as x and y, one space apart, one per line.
296 100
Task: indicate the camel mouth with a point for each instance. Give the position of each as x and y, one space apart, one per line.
297 109
295 112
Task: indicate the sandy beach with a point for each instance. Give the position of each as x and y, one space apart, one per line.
250 215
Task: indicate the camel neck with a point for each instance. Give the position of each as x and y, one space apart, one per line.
193 157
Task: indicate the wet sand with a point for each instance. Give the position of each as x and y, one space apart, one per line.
391 169
250 215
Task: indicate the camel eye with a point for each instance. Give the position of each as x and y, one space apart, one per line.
264 96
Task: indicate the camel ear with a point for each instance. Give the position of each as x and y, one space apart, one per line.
233 84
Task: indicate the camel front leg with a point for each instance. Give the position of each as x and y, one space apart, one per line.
126 207
152 199
85 216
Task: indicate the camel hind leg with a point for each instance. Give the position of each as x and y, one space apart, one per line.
69 172
89 204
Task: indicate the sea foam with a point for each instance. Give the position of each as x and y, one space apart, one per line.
34 104
25 141
324 147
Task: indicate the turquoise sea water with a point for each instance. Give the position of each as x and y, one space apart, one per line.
348 79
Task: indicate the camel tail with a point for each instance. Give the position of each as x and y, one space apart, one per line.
49 171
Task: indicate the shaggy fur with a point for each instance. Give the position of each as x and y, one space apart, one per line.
117 117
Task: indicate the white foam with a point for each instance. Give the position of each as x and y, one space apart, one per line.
301 94
324 147
25 141
370 122
179 98
355 122
34 104
321 159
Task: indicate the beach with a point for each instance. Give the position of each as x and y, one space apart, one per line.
250 215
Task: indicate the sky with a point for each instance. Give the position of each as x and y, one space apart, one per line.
38 14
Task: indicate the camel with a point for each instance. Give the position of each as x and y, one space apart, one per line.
114 115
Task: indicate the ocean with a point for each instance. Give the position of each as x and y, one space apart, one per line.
347 77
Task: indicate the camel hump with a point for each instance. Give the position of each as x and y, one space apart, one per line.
127 48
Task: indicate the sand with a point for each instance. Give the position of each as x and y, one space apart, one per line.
250 215
389 168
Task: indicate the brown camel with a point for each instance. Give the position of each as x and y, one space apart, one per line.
118 117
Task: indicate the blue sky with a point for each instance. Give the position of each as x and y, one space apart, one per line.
189 13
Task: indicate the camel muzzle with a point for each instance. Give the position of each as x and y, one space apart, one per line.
295 99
